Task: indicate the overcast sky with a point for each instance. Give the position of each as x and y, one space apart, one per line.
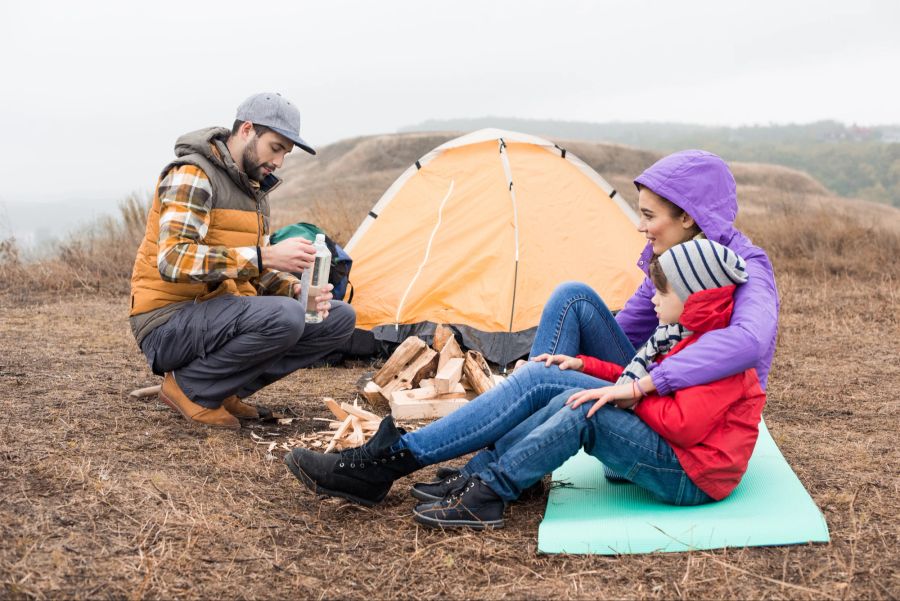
95 93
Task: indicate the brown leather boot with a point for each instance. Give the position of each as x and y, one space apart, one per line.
239 408
172 395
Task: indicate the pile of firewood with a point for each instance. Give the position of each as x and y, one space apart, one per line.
422 382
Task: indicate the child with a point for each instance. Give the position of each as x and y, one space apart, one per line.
687 448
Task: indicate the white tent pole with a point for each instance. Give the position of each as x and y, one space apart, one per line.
504 158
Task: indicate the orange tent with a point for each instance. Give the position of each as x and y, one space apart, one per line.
478 233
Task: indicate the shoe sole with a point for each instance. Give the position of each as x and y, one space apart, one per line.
311 484
178 410
445 524
262 413
423 496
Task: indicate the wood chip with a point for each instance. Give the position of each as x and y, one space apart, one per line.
345 427
335 408
145 392
360 412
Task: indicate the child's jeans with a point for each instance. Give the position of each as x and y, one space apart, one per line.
525 429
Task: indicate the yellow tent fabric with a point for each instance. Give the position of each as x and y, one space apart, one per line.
482 229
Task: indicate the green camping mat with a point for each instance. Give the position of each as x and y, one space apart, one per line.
591 515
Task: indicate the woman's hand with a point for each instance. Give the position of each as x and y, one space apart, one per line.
602 396
564 361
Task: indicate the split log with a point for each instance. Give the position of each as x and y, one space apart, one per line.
424 408
449 351
442 334
477 372
424 365
376 398
408 350
449 376
429 393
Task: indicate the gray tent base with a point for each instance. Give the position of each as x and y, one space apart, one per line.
501 348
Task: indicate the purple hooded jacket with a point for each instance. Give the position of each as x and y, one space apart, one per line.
701 184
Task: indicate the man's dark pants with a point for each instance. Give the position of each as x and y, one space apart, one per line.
238 344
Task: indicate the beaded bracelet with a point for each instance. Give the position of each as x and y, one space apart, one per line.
636 383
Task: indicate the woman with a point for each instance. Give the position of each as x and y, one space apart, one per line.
687 194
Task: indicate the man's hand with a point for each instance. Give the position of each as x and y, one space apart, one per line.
564 361
293 255
623 393
323 299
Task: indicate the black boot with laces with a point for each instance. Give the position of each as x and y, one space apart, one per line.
363 474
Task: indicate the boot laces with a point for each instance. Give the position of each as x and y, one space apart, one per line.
360 457
456 496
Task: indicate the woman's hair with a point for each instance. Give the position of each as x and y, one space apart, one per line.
675 211
658 276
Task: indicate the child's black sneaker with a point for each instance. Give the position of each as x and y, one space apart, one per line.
449 479
475 506
439 488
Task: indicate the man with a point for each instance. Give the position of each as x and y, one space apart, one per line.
213 305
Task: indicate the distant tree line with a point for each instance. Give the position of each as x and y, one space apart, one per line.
850 160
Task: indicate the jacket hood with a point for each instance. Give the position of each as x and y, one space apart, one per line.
708 309
701 184
201 142
210 143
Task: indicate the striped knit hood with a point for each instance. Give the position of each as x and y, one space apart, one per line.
701 264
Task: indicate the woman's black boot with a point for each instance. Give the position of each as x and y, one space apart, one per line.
363 474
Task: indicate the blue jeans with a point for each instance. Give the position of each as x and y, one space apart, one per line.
618 438
513 423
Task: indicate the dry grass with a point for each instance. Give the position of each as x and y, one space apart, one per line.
103 496
96 260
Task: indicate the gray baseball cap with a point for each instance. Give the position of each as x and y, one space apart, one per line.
275 112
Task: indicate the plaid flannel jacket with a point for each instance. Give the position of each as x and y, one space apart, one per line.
185 196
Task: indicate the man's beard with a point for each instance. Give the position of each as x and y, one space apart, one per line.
252 167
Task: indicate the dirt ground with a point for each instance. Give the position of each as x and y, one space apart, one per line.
105 496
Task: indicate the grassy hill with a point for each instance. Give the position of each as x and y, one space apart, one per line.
851 161
337 187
